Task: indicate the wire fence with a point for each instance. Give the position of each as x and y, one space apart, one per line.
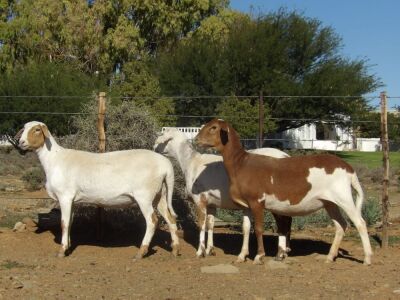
45 107
333 133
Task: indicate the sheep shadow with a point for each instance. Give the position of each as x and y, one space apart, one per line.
84 230
231 243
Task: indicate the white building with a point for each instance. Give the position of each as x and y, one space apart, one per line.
4 141
312 136
323 136
190 132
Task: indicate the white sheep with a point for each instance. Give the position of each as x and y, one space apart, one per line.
207 183
114 179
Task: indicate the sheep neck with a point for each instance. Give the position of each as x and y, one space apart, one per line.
184 154
233 153
47 153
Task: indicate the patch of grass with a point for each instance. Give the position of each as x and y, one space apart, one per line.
375 239
34 178
317 219
368 159
371 212
226 215
10 218
11 264
394 240
14 163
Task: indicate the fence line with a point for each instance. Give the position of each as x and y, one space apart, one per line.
202 116
198 97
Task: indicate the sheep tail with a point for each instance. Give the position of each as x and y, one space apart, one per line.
169 184
355 183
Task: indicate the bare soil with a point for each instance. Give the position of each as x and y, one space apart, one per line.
29 268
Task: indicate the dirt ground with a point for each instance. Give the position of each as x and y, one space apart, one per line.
29 268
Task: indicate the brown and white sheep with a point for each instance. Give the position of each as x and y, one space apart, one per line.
292 186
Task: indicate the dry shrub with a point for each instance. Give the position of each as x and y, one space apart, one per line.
375 175
127 126
34 178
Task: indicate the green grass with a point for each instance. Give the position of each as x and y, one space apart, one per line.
369 159
11 264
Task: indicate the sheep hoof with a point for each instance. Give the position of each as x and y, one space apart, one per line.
240 259
200 253
257 260
367 262
210 252
142 252
330 259
60 253
279 257
175 250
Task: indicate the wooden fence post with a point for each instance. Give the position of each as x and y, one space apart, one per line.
260 120
100 213
100 121
385 182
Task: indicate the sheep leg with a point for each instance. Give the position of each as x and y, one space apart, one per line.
359 223
340 225
257 210
284 224
66 221
151 223
201 219
246 225
162 207
210 231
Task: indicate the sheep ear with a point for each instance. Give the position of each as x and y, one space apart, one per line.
223 133
45 131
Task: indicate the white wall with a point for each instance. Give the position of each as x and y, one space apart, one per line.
190 132
4 141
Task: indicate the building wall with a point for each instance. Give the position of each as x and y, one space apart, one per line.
305 137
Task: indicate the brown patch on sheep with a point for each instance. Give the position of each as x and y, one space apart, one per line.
37 135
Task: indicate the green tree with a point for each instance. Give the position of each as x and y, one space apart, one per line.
97 36
136 84
371 128
44 79
242 114
283 53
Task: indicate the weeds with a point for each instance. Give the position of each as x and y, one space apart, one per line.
371 212
34 178
11 264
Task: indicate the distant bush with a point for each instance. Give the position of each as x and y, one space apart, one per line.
13 163
371 211
127 126
34 178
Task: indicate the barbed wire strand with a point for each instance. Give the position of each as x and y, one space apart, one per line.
206 116
195 97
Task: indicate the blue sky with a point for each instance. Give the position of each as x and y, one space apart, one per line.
369 29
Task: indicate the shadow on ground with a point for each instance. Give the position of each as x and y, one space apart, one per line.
130 233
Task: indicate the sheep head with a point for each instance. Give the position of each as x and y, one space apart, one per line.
214 134
33 136
163 142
